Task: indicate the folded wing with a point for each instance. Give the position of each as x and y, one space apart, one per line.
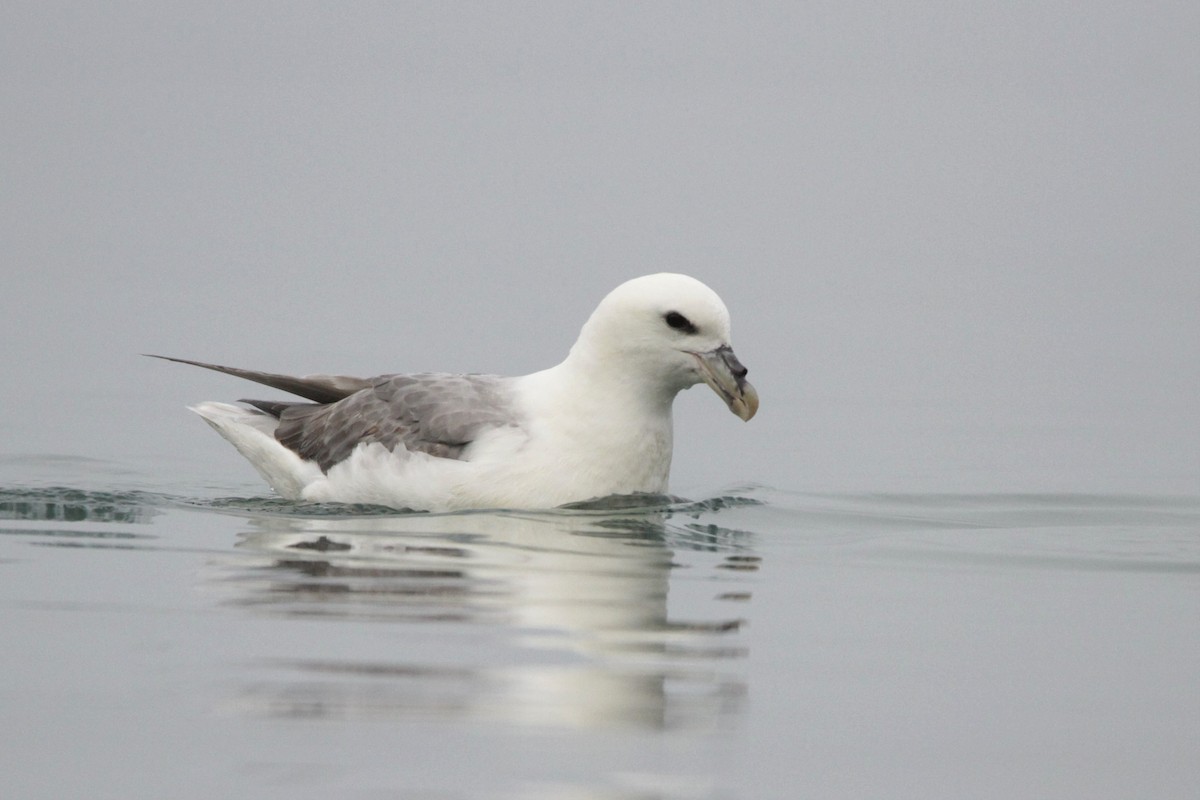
432 413
436 414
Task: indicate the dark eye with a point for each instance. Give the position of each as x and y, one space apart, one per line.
679 322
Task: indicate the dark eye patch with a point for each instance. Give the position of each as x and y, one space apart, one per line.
679 322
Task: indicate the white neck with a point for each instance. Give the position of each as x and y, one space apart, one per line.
602 427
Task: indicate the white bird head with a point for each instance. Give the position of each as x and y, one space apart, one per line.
669 331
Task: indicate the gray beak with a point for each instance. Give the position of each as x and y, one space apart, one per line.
722 371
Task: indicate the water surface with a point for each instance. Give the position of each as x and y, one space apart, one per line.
755 643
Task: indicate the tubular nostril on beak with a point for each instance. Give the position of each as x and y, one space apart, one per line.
735 367
722 371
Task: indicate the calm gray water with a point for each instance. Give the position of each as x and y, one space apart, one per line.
754 643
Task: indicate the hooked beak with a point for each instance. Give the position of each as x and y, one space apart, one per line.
722 371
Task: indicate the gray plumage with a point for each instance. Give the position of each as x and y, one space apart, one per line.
318 388
433 413
436 414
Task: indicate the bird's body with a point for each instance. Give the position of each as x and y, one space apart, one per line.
597 424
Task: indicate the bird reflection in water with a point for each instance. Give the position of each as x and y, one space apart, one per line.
551 618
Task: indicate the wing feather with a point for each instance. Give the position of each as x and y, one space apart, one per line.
436 414
318 388
433 413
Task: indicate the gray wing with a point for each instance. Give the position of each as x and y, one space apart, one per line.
320 388
429 413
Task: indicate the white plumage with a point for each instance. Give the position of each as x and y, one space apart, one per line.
597 424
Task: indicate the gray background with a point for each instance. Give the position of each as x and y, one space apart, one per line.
959 241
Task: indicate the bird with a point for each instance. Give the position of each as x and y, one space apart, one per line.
596 425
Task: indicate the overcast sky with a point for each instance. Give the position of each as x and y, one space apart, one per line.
960 242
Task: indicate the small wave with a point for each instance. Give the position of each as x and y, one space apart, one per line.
279 506
626 505
65 504
670 519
